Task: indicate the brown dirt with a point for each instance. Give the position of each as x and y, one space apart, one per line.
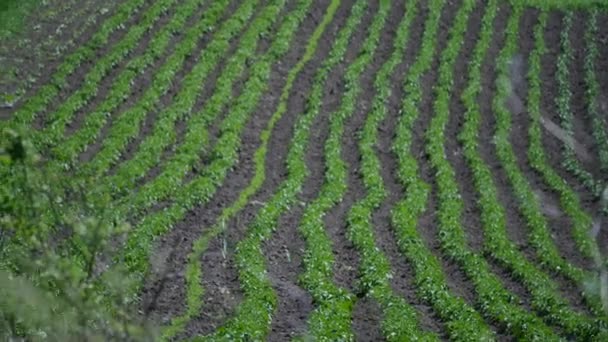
164 296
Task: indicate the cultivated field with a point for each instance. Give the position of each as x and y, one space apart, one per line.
332 170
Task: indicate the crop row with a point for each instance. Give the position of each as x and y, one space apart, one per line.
545 298
102 67
175 63
598 121
249 255
254 314
429 278
400 321
539 235
332 316
563 101
35 104
68 150
493 297
200 190
194 289
150 150
581 221
127 126
123 210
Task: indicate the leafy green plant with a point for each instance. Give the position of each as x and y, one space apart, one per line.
43 293
194 274
35 104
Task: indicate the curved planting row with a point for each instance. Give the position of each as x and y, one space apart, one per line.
194 289
400 321
58 119
184 198
429 276
67 151
232 57
200 189
331 319
451 234
259 294
36 104
598 121
581 221
163 135
563 104
545 297
127 125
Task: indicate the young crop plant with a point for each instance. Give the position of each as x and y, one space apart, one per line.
563 101
598 119
24 116
163 135
331 319
176 211
497 244
194 289
200 190
248 250
102 67
127 126
452 237
400 321
66 152
429 278
581 221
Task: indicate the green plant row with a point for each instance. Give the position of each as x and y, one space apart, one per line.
569 201
40 50
331 319
592 93
26 114
400 321
539 235
563 100
127 126
450 204
260 300
230 27
66 152
545 296
175 62
462 320
56 165
139 243
150 150
64 114
565 5
581 221
194 289
241 15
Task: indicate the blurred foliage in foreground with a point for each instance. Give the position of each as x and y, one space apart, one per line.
55 283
